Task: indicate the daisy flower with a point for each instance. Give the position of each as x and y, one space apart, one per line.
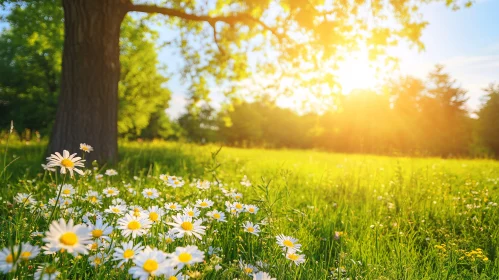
183 225
252 209
46 272
172 206
6 260
205 203
203 184
66 162
100 230
245 182
191 212
111 172
295 257
262 276
247 268
45 167
66 190
150 262
217 215
29 251
138 212
185 256
99 177
251 228
126 252
111 191
150 193
97 259
86 148
288 243
67 236
169 237
24 198
93 197
237 206
154 213
116 209
174 181
237 196
163 177
133 226
119 201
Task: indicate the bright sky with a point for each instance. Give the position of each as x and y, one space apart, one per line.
465 41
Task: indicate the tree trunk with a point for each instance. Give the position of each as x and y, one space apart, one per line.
88 103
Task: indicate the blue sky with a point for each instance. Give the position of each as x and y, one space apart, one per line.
465 41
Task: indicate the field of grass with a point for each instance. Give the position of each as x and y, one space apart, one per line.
355 216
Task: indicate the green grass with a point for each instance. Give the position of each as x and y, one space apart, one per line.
399 218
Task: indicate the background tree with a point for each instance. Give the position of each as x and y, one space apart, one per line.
488 126
305 37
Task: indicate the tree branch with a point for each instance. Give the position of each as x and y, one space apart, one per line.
212 20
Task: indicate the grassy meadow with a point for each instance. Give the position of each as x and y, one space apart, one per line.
355 216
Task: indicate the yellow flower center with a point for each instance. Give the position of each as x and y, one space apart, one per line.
66 191
190 213
128 253
172 278
94 199
187 226
239 206
96 233
173 206
149 193
288 243
293 257
95 246
50 270
9 259
116 210
153 216
69 238
97 261
136 213
250 229
216 216
133 225
184 257
110 191
248 270
67 163
168 240
150 265
251 210
25 255
84 148
203 204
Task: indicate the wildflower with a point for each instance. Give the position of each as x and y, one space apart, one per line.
126 252
66 162
173 206
175 182
154 213
150 262
97 259
28 251
185 256
86 148
116 209
245 182
203 184
294 257
46 272
252 209
99 177
46 168
191 212
133 226
111 191
24 198
247 268
169 237
237 206
111 172
6 261
262 276
66 190
151 193
288 243
205 203
183 225
251 228
67 236
217 215
100 230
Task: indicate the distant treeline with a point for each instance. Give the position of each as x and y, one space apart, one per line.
408 116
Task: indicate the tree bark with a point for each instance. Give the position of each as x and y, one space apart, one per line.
88 103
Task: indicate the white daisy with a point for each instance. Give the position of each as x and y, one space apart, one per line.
204 203
116 209
169 237
288 243
66 190
119 201
150 193
173 206
100 230
295 257
86 148
134 226
251 228
46 272
185 256
183 225
245 182
217 215
150 262
252 209
7 260
154 213
97 259
72 238
192 212
237 206
111 191
24 198
45 167
66 162
203 184
126 252
247 268
29 251
111 172
99 177
262 276
175 182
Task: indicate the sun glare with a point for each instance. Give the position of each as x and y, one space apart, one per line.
357 72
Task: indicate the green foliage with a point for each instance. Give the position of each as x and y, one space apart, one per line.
488 127
30 70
